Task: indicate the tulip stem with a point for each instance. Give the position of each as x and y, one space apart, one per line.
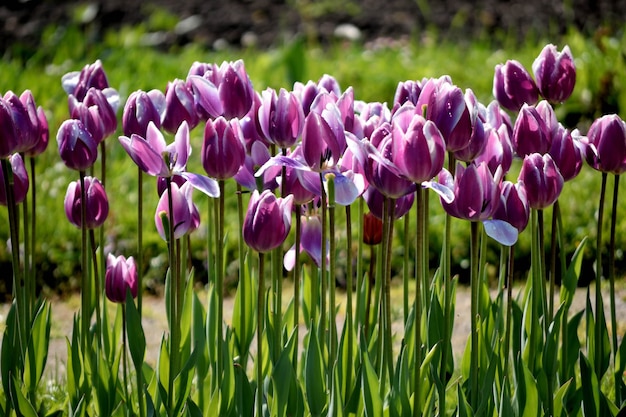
417 302
296 285
509 308
29 296
323 268
611 276
361 320
92 240
475 290
219 282
124 362
139 240
243 355
259 335
405 270
349 311
553 244
599 302
33 229
86 282
174 299
331 273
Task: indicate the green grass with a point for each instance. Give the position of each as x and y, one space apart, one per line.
373 72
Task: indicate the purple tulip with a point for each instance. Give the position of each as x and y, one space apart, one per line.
330 84
182 206
25 122
375 201
498 151
307 94
234 88
310 243
447 107
106 111
20 180
606 144
475 191
223 152
179 107
407 91
542 180
419 152
513 86
555 73
78 83
44 135
120 276
139 111
513 207
9 142
320 144
281 117
567 153
531 133
77 147
97 206
156 158
267 222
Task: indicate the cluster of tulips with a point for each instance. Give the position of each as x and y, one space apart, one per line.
300 155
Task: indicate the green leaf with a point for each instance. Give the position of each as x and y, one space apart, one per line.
315 375
281 375
531 407
559 396
24 407
192 409
369 387
38 344
570 278
590 387
335 408
463 407
244 312
136 336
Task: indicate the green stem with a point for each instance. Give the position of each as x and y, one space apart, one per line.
139 245
332 304
33 235
535 289
542 272
599 302
611 276
296 284
360 316
29 297
85 279
387 343
97 285
553 245
277 291
417 302
173 307
475 294
241 287
259 335
323 276
349 310
124 364
219 282
405 269
371 283
509 308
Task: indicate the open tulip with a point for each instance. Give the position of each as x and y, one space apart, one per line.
267 222
20 180
97 203
120 276
555 73
542 180
78 149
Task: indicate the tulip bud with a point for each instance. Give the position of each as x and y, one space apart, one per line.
513 86
375 201
372 229
25 122
223 152
20 180
139 111
281 117
235 89
44 135
106 112
513 207
78 83
97 203
407 91
567 153
542 180
77 147
8 135
179 106
531 134
182 206
120 276
267 222
555 73
606 150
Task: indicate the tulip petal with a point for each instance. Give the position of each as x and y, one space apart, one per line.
501 231
201 183
444 192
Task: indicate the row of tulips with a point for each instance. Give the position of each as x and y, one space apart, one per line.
301 156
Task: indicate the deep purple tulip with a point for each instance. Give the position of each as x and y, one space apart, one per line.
407 91
77 147
281 117
310 243
531 133
120 276
293 185
330 84
449 110
606 144
477 139
383 174
419 152
20 180
223 151
139 111
44 135
9 142
97 206
179 107
475 191
234 88
542 180
513 207
496 117
513 86
106 111
78 83
498 151
567 153
91 118
306 93
320 144
555 73
267 222
182 205
375 201
25 122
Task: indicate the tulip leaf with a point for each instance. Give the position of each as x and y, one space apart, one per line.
243 320
531 405
559 397
590 387
373 404
24 407
501 231
315 375
570 278
136 336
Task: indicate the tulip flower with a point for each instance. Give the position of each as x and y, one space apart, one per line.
156 158
307 94
97 203
179 107
267 222
407 91
223 151
44 135
25 122
183 211
281 117
531 134
78 149
78 83
447 107
9 142
120 276
513 86
372 229
375 201
513 207
142 108
310 243
542 180
567 153
555 73
20 180
606 144
106 110
498 151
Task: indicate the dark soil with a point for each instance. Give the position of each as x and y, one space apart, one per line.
267 22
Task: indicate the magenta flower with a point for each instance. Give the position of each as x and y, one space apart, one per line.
44 135
156 158
498 152
25 121
542 180
513 207
120 276
179 107
606 144
531 133
310 243
407 91
78 83
182 207
513 86
375 201
78 149
267 222
281 117
9 142
567 153
555 73
97 203
95 113
142 108
20 181
447 107
223 151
